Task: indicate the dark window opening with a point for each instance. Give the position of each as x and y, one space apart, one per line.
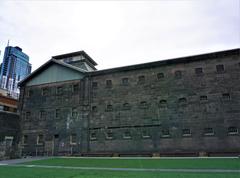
125 81
208 131
75 88
141 79
160 76
232 130
186 132
203 98
57 114
143 105
73 138
108 83
109 107
94 85
163 103
178 74
226 96
109 135
59 90
94 108
40 140
74 112
165 133
127 135
44 91
126 106
182 100
199 71
220 68
93 136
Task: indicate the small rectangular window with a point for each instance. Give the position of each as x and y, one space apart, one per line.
59 90
109 136
165 133
125 81
29 93
143 105
182 100
73 139
160 76
145 134
126 106
199 71
178 74
75 88
226 96
186 132
203 98
163 103
94 108
108 83
141 79
232 130
28 115
220 68
57 113
25 139
43 114
44 91
94 85
208 132
93 136
74 112
127 135
109 107
40 140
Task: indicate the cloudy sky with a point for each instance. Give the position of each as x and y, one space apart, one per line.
118 33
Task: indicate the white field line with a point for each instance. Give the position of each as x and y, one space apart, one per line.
133 169
146 157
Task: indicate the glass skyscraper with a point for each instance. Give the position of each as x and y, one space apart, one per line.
15 67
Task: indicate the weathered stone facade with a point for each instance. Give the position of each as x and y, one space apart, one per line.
186 106
9 134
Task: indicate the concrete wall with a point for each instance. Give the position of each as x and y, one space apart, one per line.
9 134
169 114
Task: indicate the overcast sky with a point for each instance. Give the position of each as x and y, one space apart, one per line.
118 33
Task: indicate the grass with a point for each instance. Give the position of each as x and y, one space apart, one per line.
23 172
19 171
213 163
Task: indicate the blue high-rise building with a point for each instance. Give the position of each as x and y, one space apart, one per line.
15 67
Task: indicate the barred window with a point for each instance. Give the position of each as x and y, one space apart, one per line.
203 98
165 133
186 132
43 114
127 135
145 134
208 131
109 135
226 96
232 130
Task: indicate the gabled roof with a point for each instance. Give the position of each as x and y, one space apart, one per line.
47 64
77 53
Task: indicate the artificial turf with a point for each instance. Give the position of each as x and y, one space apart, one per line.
23 172
198 163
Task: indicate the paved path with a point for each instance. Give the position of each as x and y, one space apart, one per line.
22 160
133 169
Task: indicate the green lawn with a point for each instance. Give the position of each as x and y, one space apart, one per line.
204 163
21 172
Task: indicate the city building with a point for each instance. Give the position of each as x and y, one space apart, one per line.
15 67
7 103
182 106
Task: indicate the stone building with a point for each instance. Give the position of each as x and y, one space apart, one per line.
182 106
